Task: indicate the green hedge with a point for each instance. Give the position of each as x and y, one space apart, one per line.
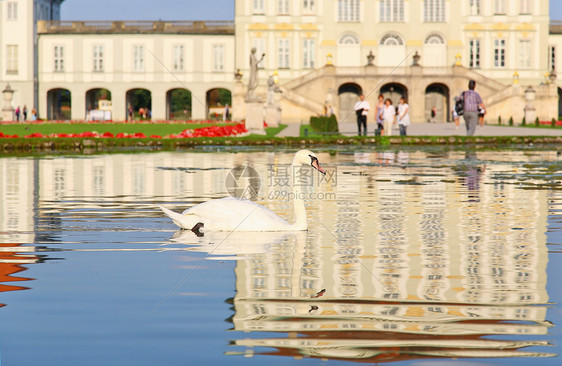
325 124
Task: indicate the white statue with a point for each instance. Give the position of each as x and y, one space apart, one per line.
253 82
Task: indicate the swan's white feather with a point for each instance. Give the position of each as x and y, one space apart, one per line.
233 214
228 214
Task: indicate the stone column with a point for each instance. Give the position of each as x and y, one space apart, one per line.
238 94
198 104
77 105
158 105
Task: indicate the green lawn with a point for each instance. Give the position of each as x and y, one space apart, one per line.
148 129
272 131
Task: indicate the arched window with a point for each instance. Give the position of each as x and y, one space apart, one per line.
434 51
391 40
349 39
434 39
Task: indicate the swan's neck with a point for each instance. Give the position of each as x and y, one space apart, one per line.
301 221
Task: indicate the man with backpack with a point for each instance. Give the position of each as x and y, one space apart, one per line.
468 106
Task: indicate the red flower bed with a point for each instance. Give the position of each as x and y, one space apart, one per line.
212 131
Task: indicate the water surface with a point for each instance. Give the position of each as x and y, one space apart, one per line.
413 257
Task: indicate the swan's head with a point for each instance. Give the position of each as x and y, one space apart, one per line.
307 157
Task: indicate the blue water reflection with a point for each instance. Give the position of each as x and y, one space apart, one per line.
425 256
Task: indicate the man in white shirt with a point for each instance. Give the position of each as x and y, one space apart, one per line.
362 108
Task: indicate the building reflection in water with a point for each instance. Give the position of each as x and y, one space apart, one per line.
412 268
420 255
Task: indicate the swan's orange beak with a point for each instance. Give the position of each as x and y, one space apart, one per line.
316 165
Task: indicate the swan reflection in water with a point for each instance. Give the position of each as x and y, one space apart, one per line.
236 244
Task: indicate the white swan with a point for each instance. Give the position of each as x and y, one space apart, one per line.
233 214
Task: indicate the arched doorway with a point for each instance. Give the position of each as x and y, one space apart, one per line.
98 105
140 103
392 51
348 95
178 104
349 51
217 99
58 104
434 51
437 95
394 91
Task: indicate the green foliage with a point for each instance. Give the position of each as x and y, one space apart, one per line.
537 122
523 122
499 120
553 123
510 121
324 124
140 98
180 104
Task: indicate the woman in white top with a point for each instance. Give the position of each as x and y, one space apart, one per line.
403 116
389 114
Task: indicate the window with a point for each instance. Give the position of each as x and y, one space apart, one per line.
258 7
525 53
499 53
283 52
348 10
391 40
283 7
259 45
12 59
552 58
391 10
58 56
309 49
435 39
12 11
138 57
474 53
218 57
308 6
525 6
98 58
178 57
434 11
474 7
499 7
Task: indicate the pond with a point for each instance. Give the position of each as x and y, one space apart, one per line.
413 256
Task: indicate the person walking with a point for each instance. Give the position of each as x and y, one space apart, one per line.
380 116
403 116
25 113
389 115
472 102
362 108
18 113
433 115
226 114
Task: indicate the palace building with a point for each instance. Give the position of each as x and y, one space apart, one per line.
323 54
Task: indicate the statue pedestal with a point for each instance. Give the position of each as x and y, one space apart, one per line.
254 118
7 114
530 115
272 116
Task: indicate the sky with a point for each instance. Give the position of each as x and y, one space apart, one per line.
174 10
